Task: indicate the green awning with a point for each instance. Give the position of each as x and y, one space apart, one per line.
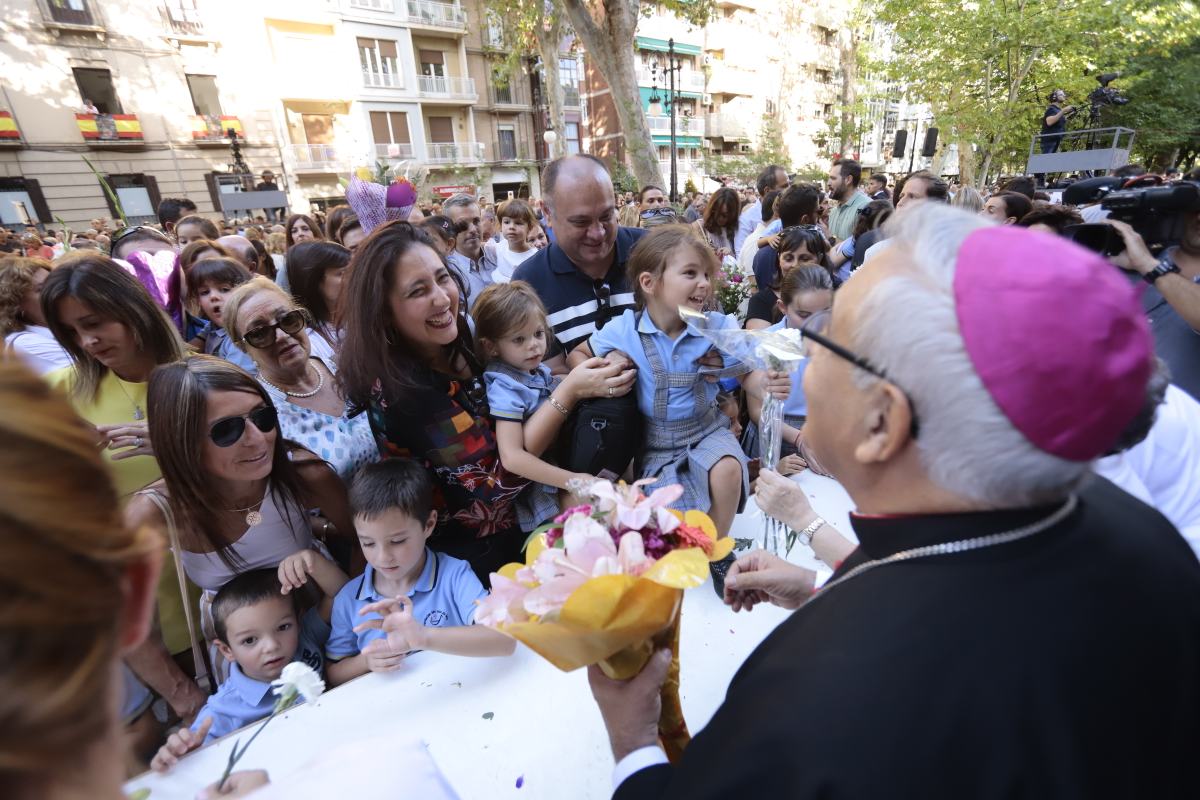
660 45
680 141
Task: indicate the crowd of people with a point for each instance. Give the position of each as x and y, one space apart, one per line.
322 414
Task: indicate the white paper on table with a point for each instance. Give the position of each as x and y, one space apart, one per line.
391 768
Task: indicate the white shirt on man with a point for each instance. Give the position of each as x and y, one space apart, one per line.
1163 470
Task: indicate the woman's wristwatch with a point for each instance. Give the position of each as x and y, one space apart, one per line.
806 536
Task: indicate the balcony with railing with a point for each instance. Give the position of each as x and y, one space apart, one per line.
510 151
211 129
317 157
447 88
71 13
182 18
387 78
687 80
454 152
571 96
728 79
431 14
726 125
684 126
394 150
103 129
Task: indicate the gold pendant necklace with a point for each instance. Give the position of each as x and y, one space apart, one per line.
253 515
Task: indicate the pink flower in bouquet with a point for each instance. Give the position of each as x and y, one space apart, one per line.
588 551
736 277
506 603
626 508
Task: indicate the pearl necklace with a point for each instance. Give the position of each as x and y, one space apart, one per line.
320 384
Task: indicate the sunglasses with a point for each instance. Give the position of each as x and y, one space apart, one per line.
814 330
263 336
661 211
228 431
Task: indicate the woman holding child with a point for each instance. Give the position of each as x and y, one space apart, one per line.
422 389
235 494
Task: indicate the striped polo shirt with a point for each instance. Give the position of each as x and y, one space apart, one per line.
578 305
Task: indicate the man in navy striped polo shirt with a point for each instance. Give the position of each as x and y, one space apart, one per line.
581 276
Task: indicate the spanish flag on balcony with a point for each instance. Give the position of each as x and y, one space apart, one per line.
109 127
209 127
8 126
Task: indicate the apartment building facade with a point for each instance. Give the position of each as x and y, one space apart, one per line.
148 91
753 59
139 89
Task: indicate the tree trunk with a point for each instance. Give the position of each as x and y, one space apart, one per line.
984 168
549 37
966 163
609 41
849 63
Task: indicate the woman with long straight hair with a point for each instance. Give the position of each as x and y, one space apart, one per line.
78 596
116 334
719 224
302 228
408 360
235 494
316 275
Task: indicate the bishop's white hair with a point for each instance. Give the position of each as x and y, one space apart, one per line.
907 325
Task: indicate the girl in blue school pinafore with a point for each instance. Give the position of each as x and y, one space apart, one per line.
686 433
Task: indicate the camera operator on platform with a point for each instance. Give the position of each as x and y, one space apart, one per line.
1054 121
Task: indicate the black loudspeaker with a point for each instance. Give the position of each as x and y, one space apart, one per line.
901 142
930 145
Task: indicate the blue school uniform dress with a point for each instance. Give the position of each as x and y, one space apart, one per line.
686 434
514 395
795 408
240 700
443 597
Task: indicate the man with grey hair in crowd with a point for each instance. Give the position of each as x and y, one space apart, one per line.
1009 625
468 256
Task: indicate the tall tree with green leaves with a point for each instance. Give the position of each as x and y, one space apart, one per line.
607 29
986 66
535 28
1163 87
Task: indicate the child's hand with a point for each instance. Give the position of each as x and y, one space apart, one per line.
404 633
791 465
295 569
180 743
777 383
619 359
381 657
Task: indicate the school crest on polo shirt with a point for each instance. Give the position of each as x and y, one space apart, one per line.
436 619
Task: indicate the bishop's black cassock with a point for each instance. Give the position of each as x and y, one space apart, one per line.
1064 665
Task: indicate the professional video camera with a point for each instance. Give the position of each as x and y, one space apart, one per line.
1104 95
1158 212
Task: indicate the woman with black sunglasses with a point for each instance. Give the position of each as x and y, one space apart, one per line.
298 370
236 495
408 361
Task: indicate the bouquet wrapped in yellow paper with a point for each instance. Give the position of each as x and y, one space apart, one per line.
604 586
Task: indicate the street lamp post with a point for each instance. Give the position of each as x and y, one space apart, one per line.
656 105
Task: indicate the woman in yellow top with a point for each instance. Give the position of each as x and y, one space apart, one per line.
116 335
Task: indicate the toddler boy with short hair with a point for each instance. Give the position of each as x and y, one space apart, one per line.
259 631
428 598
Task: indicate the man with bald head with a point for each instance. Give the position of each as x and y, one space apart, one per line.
241 247
581 275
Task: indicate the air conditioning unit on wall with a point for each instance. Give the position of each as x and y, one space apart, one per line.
706 99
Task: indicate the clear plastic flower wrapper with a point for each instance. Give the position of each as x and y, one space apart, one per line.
382 193
603 584
778 350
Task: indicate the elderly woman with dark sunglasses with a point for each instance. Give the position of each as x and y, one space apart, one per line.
235 494
297 369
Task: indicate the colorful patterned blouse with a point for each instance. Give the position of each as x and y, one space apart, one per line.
446 427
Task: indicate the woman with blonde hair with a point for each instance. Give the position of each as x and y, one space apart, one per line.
968 199
77 592
235 494
269 326
22 323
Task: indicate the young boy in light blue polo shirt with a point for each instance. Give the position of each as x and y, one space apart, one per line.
259 631
429 597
